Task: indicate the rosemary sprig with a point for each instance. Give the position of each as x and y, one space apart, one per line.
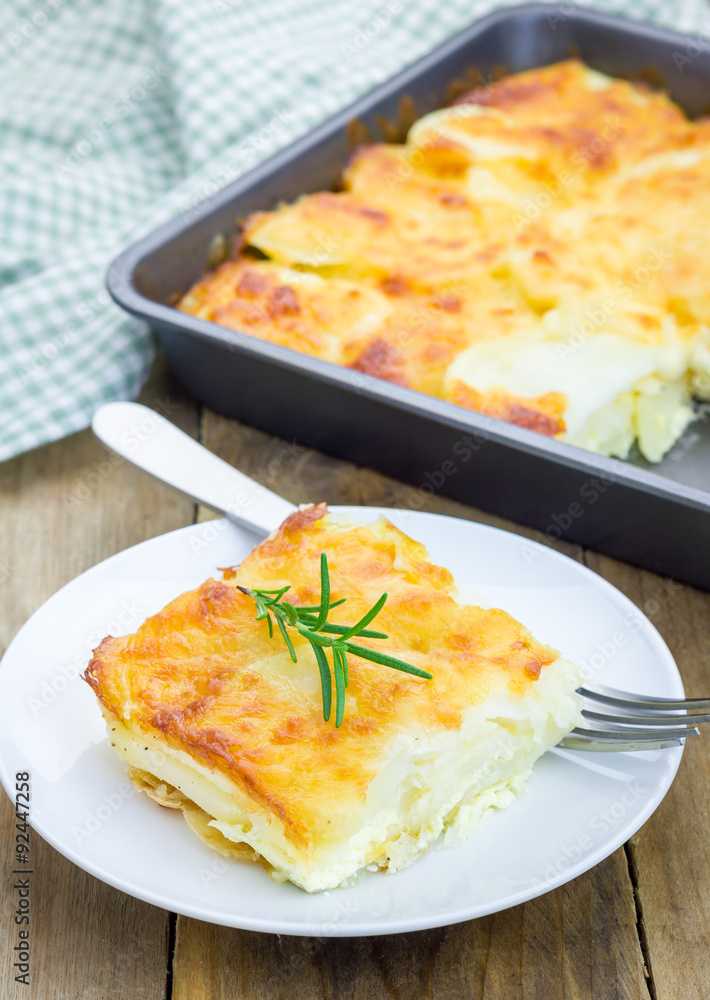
312 623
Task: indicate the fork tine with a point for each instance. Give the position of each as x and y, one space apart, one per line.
648 720
669 721
637 735
579 743
645 703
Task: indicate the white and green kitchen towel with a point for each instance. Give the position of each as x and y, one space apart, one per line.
115 117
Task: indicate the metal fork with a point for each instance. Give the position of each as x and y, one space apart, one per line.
636 722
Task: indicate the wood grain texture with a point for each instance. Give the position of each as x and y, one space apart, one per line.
669 854
63 508
578 943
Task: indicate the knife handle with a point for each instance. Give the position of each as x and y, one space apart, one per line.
149 441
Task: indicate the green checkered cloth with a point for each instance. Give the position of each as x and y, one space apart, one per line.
116 117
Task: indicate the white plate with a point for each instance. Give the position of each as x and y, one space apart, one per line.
578 808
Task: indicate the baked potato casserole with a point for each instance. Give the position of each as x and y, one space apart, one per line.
533 252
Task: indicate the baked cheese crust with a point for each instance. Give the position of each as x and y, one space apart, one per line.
215 718
549 208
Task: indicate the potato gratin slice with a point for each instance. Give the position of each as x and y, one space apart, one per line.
214 718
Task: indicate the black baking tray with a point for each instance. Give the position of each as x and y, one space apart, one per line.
652 516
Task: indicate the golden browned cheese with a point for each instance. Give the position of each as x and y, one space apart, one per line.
575 118
543 414
301 311
204 676
528 206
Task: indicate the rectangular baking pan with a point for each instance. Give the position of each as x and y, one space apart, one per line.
652 516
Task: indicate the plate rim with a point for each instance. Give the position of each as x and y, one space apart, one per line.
402 924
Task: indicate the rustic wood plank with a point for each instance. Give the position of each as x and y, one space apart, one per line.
67 506
62 509
669 854
578 943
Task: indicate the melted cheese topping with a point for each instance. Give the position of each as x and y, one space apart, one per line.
554 205
205 702
601 394
298 310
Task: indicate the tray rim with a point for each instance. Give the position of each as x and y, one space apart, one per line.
121 274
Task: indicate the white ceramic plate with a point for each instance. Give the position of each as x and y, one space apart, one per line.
578 808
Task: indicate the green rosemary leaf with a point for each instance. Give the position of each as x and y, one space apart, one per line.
309 609
322 640
343 629
308 619
312 623
339 688
386 660
324 592
287 638
344 660
291 612
366 619
325 681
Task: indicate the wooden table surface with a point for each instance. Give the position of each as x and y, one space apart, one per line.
634 927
